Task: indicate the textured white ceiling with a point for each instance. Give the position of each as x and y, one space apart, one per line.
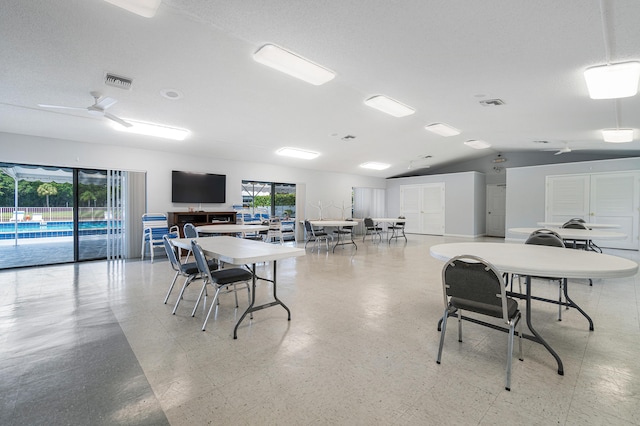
441 57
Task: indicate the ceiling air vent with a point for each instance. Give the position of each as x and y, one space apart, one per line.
492 102
118 81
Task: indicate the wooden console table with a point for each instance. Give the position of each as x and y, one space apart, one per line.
200 218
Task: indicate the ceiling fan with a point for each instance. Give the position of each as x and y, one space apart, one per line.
99 108
563 150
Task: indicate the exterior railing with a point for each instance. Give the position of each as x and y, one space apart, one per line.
52 214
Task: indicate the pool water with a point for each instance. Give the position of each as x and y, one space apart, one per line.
52 229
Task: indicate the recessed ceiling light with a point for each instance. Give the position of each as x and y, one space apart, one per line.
476 144
613 81
617 135
172 94
145 8
390 106
290 63
297 153
151 129
375 166
442 129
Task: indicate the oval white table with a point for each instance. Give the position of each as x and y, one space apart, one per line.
573 236
588 225
533 260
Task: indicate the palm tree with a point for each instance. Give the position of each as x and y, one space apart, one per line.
87 196
47 189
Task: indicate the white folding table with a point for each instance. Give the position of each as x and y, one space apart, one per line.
337 224
239 251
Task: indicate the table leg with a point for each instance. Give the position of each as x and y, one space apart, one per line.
572 304
539 338
252 308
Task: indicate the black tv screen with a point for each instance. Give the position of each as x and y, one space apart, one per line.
187 187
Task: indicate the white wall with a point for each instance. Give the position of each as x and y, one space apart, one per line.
464 201
526 187
320 186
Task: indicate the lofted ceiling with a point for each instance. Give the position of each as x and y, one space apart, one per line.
442 57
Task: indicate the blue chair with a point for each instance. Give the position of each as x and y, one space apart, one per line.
154 227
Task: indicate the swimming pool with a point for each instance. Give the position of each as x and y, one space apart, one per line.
53 229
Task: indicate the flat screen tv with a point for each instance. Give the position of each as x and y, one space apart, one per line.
187 187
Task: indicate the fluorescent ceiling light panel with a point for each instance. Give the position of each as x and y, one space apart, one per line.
375 166
617 135
146 8
297 153
476 144
613 81
296 66
390 106
442 129
150 129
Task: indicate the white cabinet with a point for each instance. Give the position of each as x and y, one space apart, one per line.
611 198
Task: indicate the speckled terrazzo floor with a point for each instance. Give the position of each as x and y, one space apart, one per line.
93 343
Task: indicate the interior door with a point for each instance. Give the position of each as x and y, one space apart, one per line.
496 210
410 204
567 197
614 199
598 198
424 208
432 209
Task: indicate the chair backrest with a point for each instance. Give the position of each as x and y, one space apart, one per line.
154 220
275 224
368 222
574 225
545 237
201 261
401 224
308 227
478 283
171 253
190 231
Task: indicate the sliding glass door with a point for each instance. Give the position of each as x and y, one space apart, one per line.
52 215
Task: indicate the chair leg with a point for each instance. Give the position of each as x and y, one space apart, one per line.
213 303
444 329
187 281
175 277
459 325
202 291
509 355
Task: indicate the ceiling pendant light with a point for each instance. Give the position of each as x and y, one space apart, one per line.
442 129
297 153
476 144
145 8
613 81
390 106
151 129
290 63
375 166
617 135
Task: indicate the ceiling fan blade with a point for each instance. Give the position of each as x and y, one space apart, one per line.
118 120
62 107
105 102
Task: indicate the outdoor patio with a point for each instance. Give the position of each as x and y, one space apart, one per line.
43 251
